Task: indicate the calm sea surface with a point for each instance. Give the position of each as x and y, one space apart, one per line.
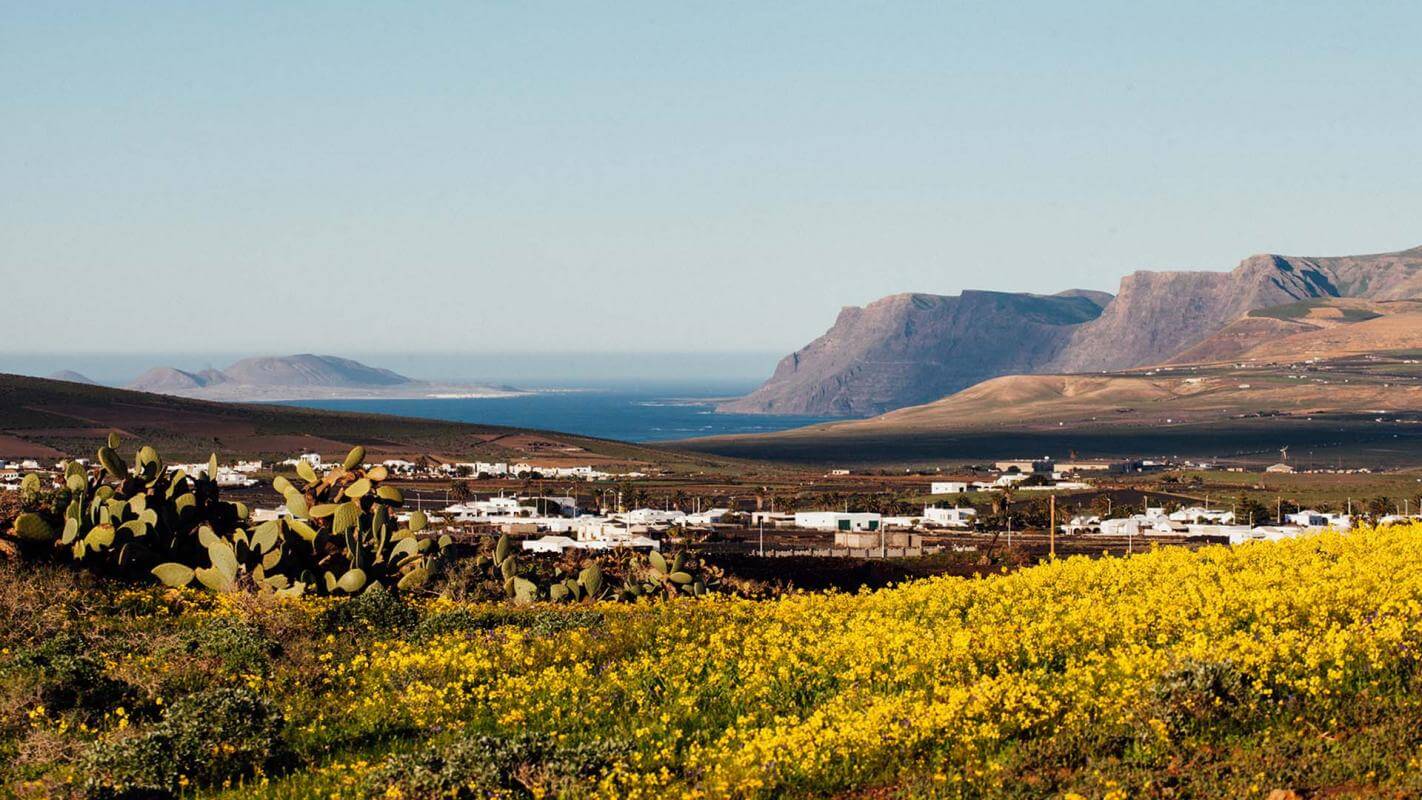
643 414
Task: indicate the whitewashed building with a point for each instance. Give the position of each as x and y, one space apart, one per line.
950 517
838 520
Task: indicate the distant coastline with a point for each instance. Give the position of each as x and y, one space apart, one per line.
410 391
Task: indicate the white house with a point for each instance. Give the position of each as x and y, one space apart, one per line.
1197 513
1318 519
548 544
314 459
707 517
838 520
651 516
1129 526
950 517
231 478
948 487
1235 533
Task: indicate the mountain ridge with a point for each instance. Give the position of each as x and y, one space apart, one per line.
859 369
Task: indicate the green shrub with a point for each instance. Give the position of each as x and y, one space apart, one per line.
239 646
70 676
527 765
375 609
204 739
1201 695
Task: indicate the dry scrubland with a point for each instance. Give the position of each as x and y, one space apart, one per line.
1218 673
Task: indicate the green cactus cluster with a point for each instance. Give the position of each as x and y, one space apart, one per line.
679 577
343 534
588 579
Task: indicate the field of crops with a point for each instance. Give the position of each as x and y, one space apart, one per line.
1217 673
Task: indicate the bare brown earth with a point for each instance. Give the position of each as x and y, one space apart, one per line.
48 419
1326 328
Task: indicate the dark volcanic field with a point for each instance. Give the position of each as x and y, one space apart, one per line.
1323 441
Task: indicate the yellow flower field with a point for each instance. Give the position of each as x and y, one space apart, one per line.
1172 673
928 681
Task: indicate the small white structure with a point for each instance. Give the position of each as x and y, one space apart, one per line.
615 538
707 517
1234 533
1197 513
314 459
651 516
1129 526
1318 519
950 517
948 487
549 544
838 520
231 478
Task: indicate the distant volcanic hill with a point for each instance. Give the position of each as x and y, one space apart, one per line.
71 376
905 350
297 377
309 370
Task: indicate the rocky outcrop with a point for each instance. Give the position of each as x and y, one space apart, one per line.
914 348
1157 315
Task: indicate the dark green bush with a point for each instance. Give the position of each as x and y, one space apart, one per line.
204 739
241 647
375 610
1197 696
528 765
71 676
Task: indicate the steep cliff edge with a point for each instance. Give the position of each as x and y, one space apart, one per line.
1157 315
913 348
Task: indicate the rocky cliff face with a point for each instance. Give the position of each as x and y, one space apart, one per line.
909 349
913 348
1157 315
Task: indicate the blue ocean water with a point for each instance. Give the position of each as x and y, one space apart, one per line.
631 414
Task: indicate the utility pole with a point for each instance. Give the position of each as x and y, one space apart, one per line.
762 536
1052 534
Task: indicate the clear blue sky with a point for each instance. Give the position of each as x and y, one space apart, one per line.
287 177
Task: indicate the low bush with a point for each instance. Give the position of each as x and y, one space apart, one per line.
212 737
240 647
68 675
